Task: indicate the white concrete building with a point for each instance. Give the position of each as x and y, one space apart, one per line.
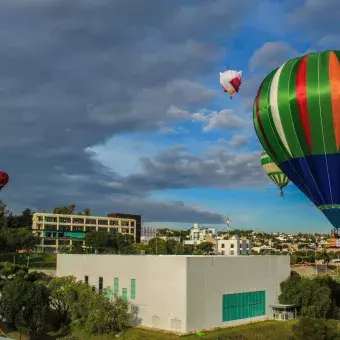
198 235
234 246
186 293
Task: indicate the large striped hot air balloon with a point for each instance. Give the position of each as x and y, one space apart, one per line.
273 172
297 120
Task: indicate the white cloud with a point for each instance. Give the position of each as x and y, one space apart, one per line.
122 154
222 120
238 141
168 130
271 55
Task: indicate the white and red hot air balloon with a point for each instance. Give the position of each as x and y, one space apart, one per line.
231 81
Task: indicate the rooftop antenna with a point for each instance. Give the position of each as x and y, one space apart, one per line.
228 223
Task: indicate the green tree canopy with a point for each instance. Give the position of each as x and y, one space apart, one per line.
318 297
316 329
204 248
66 210
158 246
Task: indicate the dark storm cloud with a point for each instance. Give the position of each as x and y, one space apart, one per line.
175 168
73 73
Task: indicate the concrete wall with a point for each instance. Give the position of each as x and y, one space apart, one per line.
182 293
209 278
160 283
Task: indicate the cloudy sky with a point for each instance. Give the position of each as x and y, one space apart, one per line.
115 105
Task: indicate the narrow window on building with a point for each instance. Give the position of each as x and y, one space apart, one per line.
94 288
108 293
116 286
222 246
100 285
232 245
133 289
124 294
86 279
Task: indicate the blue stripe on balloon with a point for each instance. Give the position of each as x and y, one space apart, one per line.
318 180
333 216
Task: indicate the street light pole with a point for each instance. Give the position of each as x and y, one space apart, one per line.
316 264
156 243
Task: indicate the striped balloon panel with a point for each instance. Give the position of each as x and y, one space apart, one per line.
273 171
297 120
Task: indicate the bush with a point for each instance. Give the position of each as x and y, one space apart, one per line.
316 329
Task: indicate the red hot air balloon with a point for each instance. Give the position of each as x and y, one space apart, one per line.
4 179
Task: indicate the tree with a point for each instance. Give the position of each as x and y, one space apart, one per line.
36 309
9 272
142 248
20 238
85 212
25 303
100 241
189 249
204 248
25 219
124 243
96 314
66 210
316 297
315 329
174 247
108 316
158 246
3 214
64 293
12 299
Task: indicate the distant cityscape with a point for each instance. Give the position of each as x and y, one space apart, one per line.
57 230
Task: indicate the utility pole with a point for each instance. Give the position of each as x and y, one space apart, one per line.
156 241
316 264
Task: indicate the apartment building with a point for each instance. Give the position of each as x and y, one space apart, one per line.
233 247
56 230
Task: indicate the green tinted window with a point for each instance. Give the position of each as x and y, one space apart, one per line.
108 293
243 305
116 286
133 288
124 294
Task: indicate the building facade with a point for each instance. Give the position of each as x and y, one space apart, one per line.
198 235
56 230
234 246
185 293
147 234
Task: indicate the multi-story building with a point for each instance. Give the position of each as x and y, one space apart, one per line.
56 230
234 246
185 293
147 234
198 235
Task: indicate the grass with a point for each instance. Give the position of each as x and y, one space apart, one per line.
41 261
268 330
